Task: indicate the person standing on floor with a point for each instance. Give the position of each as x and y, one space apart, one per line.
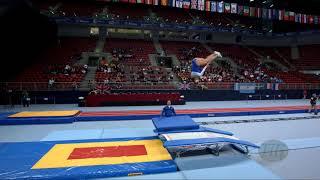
313 104
168 110
25 99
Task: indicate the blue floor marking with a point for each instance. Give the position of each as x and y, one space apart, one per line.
295 144
73 135
99 134
127 132
243 170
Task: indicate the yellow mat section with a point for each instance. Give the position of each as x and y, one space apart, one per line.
57 156
31 114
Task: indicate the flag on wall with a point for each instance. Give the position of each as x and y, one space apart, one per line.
156 2
291 16
213 6
194 4
132 1
208 3
316 20
265 13
201 5
220 7
234 8
148 1
164 2
275 14
258 12
240 10
269 85
286 16
269 13
252 11
227 8
140 1
281 14
124 1
172 3
179 3
246 10
310 19
184 86
298 18
304 19
186 4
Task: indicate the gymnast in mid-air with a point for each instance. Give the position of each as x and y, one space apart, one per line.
199 65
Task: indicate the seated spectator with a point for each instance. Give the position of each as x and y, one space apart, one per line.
106 81
103 61
50 83
75 85
90 84
163 53
168 110
67 67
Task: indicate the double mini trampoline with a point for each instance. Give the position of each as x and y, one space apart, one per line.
181 134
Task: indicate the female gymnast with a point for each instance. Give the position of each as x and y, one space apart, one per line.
199 66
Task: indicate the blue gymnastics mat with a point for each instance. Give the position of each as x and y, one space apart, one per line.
18 159
28 121
174 123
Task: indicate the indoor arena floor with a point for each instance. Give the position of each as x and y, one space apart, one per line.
301 163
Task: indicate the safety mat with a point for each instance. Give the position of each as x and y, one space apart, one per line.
33 114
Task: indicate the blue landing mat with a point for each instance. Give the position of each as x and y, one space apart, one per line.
174 123
17 159
4 116
148 117
28 121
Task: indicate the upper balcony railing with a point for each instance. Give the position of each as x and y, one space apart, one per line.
152 25
100 86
